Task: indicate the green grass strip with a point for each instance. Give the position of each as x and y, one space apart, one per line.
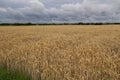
12 75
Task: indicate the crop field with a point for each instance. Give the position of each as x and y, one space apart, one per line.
62 52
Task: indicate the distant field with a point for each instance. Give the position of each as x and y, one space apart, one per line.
70 52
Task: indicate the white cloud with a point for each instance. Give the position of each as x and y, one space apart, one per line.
42 11
2 10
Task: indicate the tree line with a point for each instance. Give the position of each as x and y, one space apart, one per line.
81 23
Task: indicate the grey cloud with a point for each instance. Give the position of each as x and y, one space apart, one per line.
58 3
66 11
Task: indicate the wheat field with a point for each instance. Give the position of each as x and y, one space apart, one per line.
62 52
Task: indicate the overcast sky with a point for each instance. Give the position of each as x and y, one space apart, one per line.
40 11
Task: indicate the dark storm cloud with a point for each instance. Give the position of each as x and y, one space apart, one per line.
60 11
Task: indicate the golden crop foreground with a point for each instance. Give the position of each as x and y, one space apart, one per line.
58 52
